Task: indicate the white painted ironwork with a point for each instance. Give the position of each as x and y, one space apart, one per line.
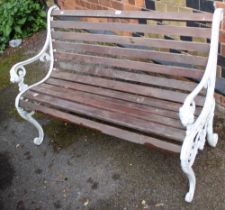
18 72
202 127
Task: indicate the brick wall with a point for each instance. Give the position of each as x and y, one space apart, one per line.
101 4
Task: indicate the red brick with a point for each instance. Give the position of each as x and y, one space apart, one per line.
107 3
220 4
131 2
102 4
117 5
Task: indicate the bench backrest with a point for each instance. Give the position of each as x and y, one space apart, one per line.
136 46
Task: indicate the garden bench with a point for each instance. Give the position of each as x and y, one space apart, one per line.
129 74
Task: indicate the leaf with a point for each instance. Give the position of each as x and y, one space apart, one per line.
42 14
18 30
7 30
22 21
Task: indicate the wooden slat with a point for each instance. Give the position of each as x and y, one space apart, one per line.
136 41
155 15
220 4
222 36
109 104
145 28
131 53
112 117
129 76
125 87
130 64
106 129
139 100
121 98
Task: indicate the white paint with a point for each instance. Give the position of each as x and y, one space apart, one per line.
118 12
18 72
35 94
198 129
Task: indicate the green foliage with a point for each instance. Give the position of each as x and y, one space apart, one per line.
20 19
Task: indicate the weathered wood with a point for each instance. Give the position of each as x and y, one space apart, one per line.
135 41
119 100
125 87
128 27
130 53
111 117
129 76
154 15
108 104
130 64
106 129
137 99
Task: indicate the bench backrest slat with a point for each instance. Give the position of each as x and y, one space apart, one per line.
129 65
112 73
132 27
146 51
132 41
130 53
154 15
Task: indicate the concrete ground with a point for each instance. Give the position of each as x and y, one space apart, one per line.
78 169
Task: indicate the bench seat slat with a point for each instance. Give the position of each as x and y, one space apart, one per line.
165 108
145 28
106 129
115 118
130 53
109 104
168 95
132 41
154 15
130 65
137 99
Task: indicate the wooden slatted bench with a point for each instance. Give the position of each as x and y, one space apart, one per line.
131 75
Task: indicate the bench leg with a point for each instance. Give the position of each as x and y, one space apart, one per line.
29 117
187 169
211 137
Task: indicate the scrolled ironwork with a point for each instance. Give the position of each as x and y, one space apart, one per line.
18 73
197 130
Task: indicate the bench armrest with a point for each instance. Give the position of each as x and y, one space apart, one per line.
198 129
187 111
18 71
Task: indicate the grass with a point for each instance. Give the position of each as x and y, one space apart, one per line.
63 134
6 63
